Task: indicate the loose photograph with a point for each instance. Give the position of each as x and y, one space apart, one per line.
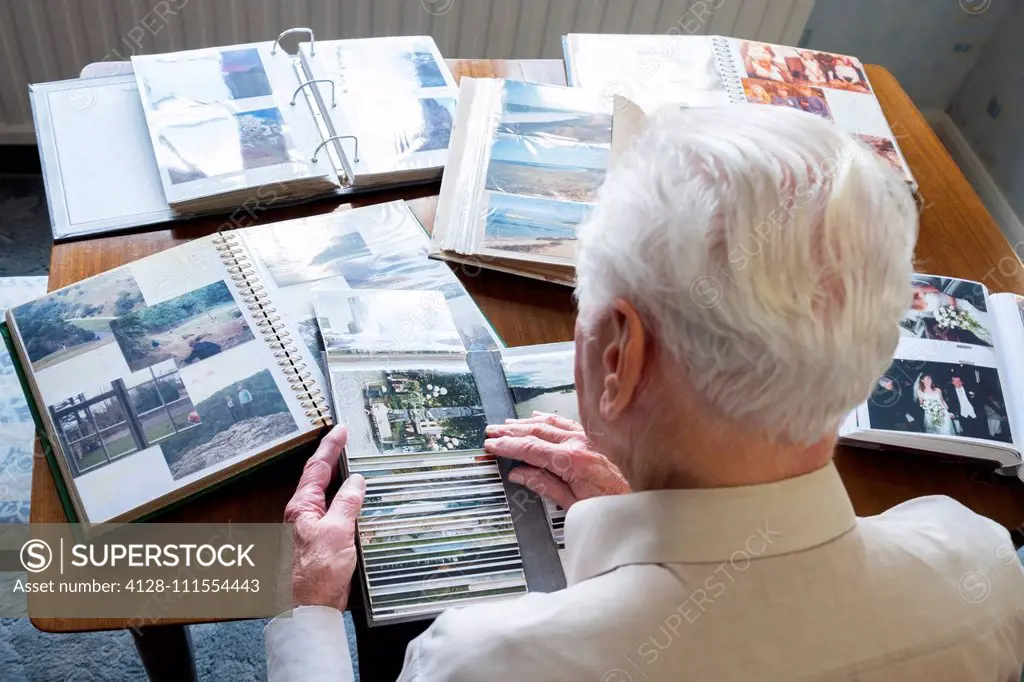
798 66
531 226
542 381
885 148
549 168
123 417
408 411
800 97
355 322
947 309
187 329
75 320
941 398
203 76
239 410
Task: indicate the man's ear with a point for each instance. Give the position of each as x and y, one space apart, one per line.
622 359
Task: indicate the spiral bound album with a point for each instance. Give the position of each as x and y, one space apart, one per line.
715 70
159 379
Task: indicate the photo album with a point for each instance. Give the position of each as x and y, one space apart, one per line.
158 379
206 131
17 428
711 70
438 526
526 162
954 386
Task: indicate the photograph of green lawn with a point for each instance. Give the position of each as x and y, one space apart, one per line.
187 328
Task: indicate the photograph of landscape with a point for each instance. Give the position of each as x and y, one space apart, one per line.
546 111
550 168
534 227
238 415
187 328
77 319
409 411
373 321
542 380
315 255
204 76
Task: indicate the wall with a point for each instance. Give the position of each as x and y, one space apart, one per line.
929 45
989 108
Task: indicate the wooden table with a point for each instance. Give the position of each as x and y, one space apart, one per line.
957 238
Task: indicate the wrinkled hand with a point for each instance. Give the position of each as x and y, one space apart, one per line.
558 461
324 547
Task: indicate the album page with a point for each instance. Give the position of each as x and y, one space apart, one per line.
157 379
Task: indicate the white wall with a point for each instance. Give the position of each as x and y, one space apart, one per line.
929 45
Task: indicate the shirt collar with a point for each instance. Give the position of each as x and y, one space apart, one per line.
706 525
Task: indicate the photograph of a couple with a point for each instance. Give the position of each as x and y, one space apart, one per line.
945 399
947 309
800 97
810 67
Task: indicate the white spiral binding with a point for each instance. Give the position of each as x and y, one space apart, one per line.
267 320
731 77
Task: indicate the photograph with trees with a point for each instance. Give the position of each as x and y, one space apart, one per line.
77 319
188 328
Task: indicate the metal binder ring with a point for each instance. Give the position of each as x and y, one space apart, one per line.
337 137
312 43
334 97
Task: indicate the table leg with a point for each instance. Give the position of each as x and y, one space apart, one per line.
166 652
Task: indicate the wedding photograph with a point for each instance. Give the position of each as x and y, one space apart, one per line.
409 411
947 309
188 328
237 415
549 168
799 66
534 226
940 398
800 97
76 320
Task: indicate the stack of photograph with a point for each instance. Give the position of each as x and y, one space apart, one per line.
526 163
435 529
955 382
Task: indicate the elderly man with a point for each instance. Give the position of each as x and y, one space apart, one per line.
739 287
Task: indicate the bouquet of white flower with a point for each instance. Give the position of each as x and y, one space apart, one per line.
950 317
934 412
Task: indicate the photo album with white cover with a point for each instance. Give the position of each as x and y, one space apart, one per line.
526 162
214 129
710 70
954 386
158 379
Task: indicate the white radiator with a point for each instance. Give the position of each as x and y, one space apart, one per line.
45 40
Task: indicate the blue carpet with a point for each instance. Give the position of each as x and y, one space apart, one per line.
223 651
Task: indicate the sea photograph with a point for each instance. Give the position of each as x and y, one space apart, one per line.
534 227
554 169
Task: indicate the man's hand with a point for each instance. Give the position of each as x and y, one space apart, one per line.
324 551
558 461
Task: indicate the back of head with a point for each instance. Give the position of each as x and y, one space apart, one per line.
769 252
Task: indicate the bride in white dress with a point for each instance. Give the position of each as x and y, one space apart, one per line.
936 412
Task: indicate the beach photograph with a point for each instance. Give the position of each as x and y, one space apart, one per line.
75 320
531 226
542 381
545 168
188 328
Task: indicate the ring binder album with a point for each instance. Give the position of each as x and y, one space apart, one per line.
730 75
269 323
334 97
333 138
289 31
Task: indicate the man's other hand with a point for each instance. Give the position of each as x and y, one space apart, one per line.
324 547
557 460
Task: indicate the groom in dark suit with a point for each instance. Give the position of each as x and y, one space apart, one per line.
965 407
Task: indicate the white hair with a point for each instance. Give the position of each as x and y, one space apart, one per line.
768 250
